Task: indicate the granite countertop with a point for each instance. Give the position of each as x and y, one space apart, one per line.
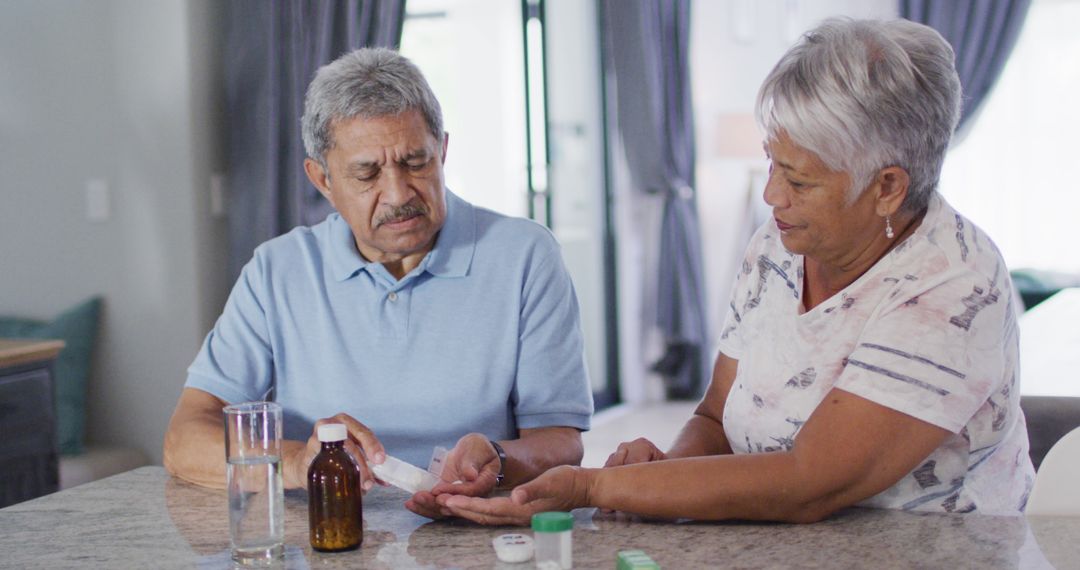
147 519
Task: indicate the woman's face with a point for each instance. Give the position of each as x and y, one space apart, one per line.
811 206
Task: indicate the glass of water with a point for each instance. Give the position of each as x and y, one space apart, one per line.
256 494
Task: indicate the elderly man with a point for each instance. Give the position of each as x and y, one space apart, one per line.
413 317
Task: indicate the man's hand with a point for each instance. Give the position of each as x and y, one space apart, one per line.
560 489
362 445
471 469
640 450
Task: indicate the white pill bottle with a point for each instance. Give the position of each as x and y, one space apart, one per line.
553 540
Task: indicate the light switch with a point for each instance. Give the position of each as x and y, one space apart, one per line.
97 201
218 202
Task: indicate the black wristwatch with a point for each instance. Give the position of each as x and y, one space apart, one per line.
502 461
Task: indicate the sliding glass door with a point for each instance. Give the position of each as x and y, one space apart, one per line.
520 86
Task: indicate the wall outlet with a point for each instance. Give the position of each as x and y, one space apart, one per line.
97 201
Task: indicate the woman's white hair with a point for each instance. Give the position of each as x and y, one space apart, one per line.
864 95
368 82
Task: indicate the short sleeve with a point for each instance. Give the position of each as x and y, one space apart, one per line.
552 385
235 362
936 351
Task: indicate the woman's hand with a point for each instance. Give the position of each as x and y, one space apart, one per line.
640 450
559 489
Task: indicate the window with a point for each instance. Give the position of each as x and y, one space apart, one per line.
471 52
1013 174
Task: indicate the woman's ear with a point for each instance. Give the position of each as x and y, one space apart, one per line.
892 182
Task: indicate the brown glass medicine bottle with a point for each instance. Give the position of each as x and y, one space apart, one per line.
335 511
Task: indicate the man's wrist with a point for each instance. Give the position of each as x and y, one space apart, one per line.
501 454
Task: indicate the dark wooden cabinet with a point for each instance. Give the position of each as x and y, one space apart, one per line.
28 458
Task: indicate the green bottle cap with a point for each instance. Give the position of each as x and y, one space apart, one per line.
552 522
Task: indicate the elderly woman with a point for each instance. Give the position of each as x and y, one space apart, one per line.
869 356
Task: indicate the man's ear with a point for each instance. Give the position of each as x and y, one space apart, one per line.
892 188
445 145
319 177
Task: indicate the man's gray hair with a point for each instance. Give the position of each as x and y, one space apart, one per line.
867 94
368 82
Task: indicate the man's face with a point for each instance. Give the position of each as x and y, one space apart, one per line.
384 176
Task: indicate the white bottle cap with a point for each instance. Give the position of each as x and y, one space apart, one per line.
403 475
513 548
333 432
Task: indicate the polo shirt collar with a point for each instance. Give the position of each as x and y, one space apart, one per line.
453 252
344 259
451 256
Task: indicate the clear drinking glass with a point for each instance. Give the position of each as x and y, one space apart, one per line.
256 494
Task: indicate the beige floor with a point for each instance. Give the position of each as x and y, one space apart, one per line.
659 423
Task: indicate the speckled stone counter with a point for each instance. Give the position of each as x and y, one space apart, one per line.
146 519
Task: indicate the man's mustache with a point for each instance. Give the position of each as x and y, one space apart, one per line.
399 213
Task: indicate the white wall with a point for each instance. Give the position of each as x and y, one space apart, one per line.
123 91
734 45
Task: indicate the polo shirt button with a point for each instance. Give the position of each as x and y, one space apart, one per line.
392 296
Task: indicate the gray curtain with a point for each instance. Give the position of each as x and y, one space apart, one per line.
982 33
272 50
648 53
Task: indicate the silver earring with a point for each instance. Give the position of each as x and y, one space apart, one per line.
888 228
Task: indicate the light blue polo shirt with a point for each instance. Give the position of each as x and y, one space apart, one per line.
483 336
